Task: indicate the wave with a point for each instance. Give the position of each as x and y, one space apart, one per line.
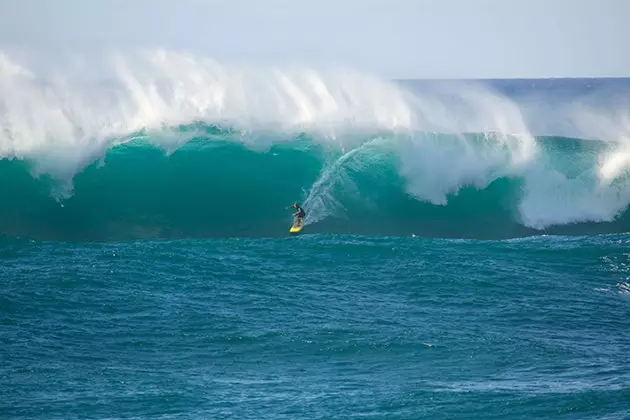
179 146
427 185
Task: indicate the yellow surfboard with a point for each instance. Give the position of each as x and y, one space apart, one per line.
296 228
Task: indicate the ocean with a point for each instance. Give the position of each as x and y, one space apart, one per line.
465 251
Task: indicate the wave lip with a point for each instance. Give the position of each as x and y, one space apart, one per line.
63 124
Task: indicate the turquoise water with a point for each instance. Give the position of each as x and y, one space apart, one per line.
316 326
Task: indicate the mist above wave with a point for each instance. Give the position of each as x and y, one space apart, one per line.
63 121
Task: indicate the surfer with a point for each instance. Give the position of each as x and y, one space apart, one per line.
299 213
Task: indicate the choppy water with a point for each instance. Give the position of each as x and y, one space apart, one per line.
316 326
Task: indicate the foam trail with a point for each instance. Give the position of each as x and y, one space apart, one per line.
320 200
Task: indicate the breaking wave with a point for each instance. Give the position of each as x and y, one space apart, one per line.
173 145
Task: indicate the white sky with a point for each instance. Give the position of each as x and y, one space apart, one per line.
394 38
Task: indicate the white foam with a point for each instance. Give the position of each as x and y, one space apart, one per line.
64 124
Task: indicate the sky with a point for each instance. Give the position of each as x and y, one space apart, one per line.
392 38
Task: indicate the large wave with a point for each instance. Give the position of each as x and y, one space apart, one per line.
176 146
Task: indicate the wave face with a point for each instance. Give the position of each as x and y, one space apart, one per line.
431 185
175 146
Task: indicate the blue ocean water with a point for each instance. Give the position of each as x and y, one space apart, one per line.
317 326
465 253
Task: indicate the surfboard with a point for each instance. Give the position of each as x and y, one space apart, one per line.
296 228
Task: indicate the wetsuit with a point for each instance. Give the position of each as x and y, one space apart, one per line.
299 216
